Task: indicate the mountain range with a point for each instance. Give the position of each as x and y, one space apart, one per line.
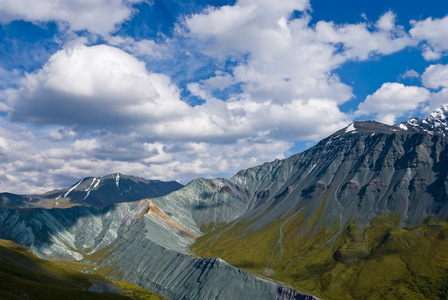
361 215
93 191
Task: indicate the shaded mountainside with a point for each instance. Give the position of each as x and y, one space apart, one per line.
93 191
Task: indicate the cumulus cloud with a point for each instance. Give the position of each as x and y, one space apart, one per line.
102 88
279 58
437 99
140 48
96 16
434 36
25 168
94 87
436 76
410 74
360 42
393 100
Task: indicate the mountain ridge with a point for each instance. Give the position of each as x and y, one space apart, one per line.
435 124
95 191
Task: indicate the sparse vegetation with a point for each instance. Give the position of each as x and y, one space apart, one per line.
25 276
136 292
382 261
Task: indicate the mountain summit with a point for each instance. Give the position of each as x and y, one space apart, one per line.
95 191
435 124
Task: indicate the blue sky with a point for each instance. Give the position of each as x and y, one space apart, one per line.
176 90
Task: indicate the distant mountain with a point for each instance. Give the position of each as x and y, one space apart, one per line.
93 191
435 124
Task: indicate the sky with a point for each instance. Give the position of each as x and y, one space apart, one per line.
176 90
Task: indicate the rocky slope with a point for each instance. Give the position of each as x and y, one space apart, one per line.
331 210
92 191
146 242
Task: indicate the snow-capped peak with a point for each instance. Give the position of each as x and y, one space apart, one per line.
435 124
440 114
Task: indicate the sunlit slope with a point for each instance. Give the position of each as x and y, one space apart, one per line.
360 215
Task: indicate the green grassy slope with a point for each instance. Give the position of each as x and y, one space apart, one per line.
25 276
381 261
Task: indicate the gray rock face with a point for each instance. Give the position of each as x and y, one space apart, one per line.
355 174
137 259
68 233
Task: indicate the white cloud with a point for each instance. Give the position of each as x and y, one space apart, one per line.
410 74
96 16
393 100
95 87
435 76
278 60
360 42
437 99
281 59
433 33
102 88
25 168
139 48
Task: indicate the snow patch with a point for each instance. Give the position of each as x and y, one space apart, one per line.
96 184
350 128
117 180
311 168
74 187
93 181
402 126
88 193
